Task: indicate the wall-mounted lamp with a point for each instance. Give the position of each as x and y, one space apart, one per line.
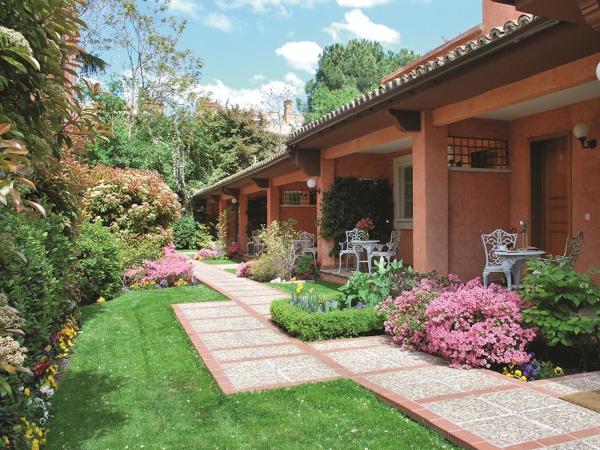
580 131
598 71
311 183
234 200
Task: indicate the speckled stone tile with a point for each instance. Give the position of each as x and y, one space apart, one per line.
230 323
259 299
256 352
293 369
213 313
340 344
203 305
509 430
590 382
262 308
465 409
566 417
521 400
231 339
581 444
378 358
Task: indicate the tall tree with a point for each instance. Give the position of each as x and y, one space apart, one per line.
347 69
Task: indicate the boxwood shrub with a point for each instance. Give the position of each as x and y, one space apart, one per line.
309 326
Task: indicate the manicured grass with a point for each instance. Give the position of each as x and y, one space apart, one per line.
231 270
189 253
322 288
135 381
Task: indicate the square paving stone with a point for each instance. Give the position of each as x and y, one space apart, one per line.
340 344
509 430
256 352
213 313
202 305
259 299
227 324
231 339
592 443
264 372
263 308
566 417
521 400
465 409
378 358
572 386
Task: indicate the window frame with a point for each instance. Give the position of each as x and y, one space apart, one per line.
400 221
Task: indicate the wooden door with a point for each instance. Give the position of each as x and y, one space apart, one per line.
555 194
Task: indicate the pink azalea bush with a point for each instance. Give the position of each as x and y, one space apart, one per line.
475 326
467 324
243 268
234 250
207 253
173 269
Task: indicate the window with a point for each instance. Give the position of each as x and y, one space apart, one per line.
296 197
403 192
477 153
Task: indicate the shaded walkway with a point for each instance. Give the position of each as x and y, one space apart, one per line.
476 408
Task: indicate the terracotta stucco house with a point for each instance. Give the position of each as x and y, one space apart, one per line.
479 130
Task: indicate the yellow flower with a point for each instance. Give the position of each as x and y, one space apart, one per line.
518 373
26 392
35 444
29 433
101 300
6 439
38 431
299 288
47 348
558 371
523 378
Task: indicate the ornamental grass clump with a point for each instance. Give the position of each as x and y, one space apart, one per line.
476 326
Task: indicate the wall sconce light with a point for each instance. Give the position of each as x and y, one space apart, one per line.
580 131
598 71
234 200
311 183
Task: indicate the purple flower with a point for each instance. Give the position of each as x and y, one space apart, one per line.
360 305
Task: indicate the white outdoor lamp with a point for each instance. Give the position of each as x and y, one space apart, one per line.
234 200
311 183
580 131
598 71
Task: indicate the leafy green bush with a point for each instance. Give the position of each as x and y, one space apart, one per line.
351 199
33 279
98 262
316 326
189 234
262 269
305 268
137 248
566 305
277 238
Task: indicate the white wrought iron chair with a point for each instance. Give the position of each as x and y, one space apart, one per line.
389 250
252 243
572 250
308 244
256 243
493 262
347 248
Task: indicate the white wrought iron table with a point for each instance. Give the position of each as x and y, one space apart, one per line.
512 262
368 245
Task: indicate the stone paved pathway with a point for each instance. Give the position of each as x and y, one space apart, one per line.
475 409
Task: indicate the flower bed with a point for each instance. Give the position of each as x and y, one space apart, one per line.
333 324
173 269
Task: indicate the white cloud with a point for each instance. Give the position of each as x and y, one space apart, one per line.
268 96
219 21
184 6
361 3
359 25
264 6
258 77
301 55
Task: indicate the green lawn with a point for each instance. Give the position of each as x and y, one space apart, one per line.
219 261
189 253
322 288
135 381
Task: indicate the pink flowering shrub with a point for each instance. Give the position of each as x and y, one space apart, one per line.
243 268
234 250
406 318
173 269
475 326
207 253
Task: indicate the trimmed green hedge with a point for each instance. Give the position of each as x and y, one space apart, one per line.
322 326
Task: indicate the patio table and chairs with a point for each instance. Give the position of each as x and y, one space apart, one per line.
512 263
387 251
308 244
255 243
347 247
368 247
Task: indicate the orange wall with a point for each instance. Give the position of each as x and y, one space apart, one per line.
585 184
479 203
365 165
306 216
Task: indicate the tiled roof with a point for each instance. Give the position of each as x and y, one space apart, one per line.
281 155
428 67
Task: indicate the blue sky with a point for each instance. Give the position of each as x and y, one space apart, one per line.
252 46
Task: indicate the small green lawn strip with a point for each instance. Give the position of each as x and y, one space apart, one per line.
322 288
135 381
218 261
